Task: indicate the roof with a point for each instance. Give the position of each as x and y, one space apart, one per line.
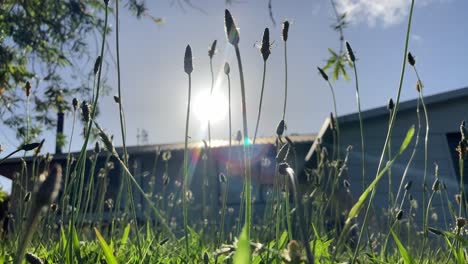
217 143
407 105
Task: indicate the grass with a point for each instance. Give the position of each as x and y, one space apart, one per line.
302 222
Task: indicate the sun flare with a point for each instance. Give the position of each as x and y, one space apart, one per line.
206 107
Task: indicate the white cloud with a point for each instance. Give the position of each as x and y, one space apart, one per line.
387 12
416 37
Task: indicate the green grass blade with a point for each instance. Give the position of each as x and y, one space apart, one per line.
362 199
124 239
110 258
242 255
407 140
403 252
462 240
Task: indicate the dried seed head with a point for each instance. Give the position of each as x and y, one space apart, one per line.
285 30
435 186
458 198
206 259
85 111
232 33
165 179
212 49
188 64
222 178
411 59
39 148
324 154
27 197
239 136
399 215
227 69
75 104
322 72
116 99
97 147
33 259
27 89
54 207
435 231
282 168
390 105
166 155
283 153
265 49
463 131
290 142
408 185
47 192
350 52
462 149
461 222
97 65
280 128
29 147
106 2
294 251
107 141
346 184
164 241
332 122
419 86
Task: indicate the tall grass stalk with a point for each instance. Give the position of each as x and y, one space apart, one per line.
233 38
248 207
65 194
285 41
265 50
211 53
111 149
260 104
227 71
28 114
462 151
352 59
392 123
435 188
334 122
123 130
188 67
286 170
82 157
410 161
390 191
419 88
89 188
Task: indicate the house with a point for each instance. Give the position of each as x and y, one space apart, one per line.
445 112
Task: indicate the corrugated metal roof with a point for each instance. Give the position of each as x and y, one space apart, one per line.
407 105
217 143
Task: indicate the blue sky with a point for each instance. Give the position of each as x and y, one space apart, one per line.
155 85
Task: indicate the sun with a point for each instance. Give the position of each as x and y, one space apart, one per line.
210 108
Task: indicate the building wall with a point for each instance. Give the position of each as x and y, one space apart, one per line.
443 118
